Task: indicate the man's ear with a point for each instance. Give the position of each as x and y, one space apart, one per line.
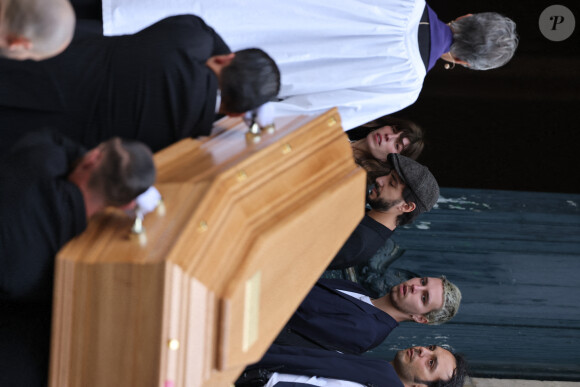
447 57
217 62
92 158
419 318
83 171
408 207
18 43
220 61
225 59
129 206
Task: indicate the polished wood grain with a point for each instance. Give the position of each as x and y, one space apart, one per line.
246 230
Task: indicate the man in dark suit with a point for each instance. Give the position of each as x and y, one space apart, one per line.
50 187
158 86
284 366
339 315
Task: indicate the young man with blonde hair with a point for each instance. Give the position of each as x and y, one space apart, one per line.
339 315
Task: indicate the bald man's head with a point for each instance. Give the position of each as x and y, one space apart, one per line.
35 29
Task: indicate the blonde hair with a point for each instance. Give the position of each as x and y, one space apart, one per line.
451 301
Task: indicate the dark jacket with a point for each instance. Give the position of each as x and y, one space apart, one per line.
152 86
326 364
337 321
40 211
367 238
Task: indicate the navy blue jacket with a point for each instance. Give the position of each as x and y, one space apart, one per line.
340 322
328 364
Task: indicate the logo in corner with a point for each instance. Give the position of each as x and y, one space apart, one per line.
557 23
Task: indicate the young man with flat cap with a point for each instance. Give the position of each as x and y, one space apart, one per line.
398 191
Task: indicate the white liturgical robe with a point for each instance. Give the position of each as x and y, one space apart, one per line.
359 55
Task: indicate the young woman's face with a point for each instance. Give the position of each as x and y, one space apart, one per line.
380 142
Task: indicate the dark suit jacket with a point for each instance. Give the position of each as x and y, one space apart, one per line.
152 86
340 322
328 364
40 211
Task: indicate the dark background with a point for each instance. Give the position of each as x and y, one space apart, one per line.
513 254
513 128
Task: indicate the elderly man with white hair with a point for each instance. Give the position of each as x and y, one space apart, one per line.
368 58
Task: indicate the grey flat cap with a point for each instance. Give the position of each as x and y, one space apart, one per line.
419 179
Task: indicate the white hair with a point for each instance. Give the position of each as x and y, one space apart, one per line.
484 40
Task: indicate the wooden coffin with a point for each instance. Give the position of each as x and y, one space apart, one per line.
245 230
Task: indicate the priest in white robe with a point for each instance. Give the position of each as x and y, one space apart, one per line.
359 55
